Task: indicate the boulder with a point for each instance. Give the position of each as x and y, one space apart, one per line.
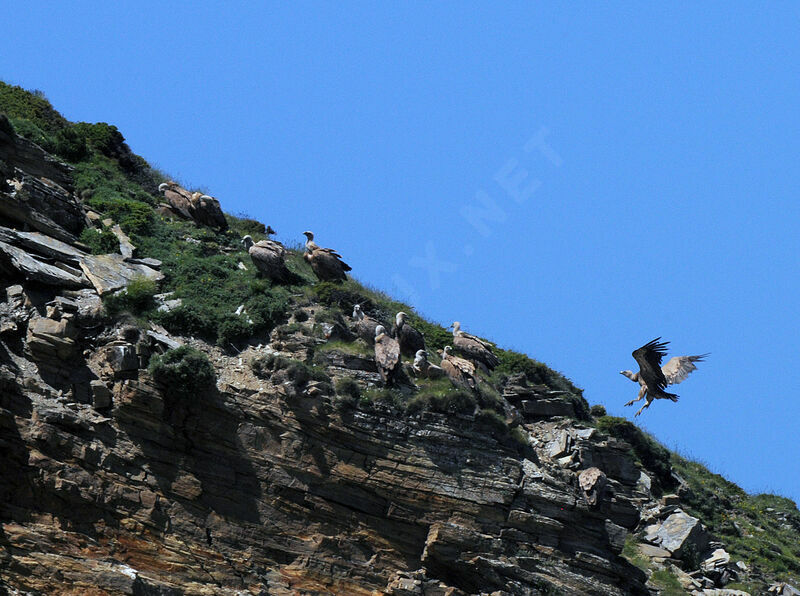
120 358
48 338
679 532
13 259
101 394
111 272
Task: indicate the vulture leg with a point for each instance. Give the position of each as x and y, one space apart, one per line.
642 391
644 407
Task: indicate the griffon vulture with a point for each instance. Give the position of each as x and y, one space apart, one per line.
460 371
411 340
654 378
387 355
474 348
268 257
326 262
424 369
363 325
592 482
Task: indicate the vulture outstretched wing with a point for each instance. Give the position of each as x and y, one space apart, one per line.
649 357
679 367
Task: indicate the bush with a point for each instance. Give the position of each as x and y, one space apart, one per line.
136 298
100 242
183 371
597 411
70 145
30 105
264 366
650 454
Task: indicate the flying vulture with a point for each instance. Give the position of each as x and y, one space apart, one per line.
268 257
654 378
424 369
326 262
411 340
474 348
461 372
363 325
387 355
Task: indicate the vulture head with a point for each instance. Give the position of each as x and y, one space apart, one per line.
400 318
357 314
163 187
446 351
627 373
379 330
456 326
247 242
309 236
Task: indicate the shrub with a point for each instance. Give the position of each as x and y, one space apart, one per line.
232 329
264 366
100 242
136 298
650 454
70 145
183 371
597 411
28 130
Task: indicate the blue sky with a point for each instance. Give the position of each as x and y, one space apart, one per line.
568 179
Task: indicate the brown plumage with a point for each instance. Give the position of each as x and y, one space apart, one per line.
411 340
592 482
326 263
268 257
474 348
424 369
387 355
460 371
653 378
363 325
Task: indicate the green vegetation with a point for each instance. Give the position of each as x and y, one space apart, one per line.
183 371
759 529
100 241
136 299
30 106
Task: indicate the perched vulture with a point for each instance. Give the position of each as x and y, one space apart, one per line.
474 348
424 369
326 262
268 257
363 325
654 378
592 482
411 340
387 355
179 199
461 372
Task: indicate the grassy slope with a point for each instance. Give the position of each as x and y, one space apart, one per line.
201 268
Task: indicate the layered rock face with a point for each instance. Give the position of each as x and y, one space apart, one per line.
247 489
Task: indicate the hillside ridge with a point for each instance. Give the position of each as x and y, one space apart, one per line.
177 423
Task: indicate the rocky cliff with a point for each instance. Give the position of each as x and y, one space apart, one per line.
293 471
